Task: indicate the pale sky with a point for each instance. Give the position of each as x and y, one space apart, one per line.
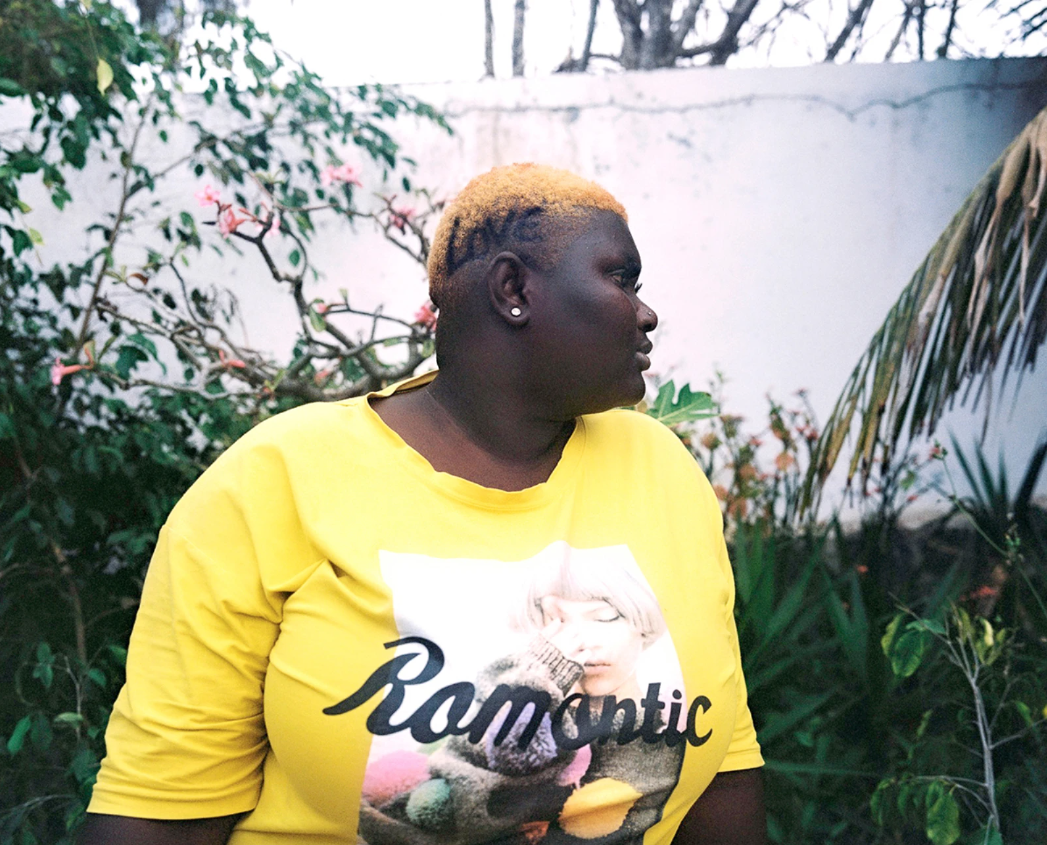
422 40
391 41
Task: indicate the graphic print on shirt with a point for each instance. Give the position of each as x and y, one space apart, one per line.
536 701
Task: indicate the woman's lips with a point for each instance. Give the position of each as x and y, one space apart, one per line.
643 360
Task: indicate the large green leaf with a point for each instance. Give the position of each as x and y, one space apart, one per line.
943 815
688 406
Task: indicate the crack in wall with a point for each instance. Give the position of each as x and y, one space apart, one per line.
851 113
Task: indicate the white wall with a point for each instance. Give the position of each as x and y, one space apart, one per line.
778 212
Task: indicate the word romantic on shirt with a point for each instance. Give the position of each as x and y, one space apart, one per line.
522 700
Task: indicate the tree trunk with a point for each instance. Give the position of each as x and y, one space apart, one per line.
657 42
488 39
518 33
629 21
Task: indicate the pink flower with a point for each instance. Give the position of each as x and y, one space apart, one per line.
346 173
207 196
59 370
426 316
230 362
229 220
400 217
343 173
274 226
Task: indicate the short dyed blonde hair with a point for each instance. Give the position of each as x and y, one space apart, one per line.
510 207
593 578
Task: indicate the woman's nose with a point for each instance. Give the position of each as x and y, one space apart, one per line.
646 319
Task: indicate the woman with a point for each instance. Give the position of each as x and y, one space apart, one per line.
325 589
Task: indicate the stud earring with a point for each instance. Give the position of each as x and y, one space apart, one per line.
516 312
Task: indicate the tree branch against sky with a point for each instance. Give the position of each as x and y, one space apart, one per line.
420 41
651 34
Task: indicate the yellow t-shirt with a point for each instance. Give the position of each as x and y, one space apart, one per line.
342 642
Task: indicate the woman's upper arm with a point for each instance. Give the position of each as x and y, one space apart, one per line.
729 812
122 830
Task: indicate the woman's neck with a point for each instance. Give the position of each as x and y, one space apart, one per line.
472 431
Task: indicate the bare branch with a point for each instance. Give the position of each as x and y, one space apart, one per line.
683 26
727 44
587 50
947 38
856 16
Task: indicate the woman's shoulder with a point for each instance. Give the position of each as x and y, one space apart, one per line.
297 442
640 430
305 429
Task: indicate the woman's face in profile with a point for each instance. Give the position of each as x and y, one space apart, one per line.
594 634
592 326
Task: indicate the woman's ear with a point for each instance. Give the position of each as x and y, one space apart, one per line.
506 279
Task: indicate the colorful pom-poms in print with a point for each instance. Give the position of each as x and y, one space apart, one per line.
579 765
430 807
507 757
534 832
598 808
394 774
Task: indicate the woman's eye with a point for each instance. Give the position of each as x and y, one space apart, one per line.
626 281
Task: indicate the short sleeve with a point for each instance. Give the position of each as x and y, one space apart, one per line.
186 738
744 750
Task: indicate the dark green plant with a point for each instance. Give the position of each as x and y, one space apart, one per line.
961 771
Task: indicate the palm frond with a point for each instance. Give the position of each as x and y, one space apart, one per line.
976 303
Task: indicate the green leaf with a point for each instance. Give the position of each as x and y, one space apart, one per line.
45 672
36 237
17 739
943 815
294 257
10 88
317 322
69 719
1025 712
908 650
105 76
127 359
20 242
990 836
40 733
84 765
889 635
687 407
877 799
186 218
